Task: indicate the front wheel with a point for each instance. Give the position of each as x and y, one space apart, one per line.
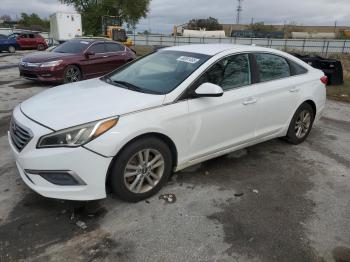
72 73
141 169
301 124
11 49
40 47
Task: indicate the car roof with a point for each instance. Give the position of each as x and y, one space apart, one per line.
93 40
214 49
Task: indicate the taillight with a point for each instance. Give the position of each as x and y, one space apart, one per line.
324 80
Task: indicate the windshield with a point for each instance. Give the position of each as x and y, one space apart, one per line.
72 47
157 73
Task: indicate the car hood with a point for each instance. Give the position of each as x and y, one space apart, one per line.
39 57
82 102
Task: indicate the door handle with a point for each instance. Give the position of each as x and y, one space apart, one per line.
294 89
250 100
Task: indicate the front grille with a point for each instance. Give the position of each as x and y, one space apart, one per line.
20 135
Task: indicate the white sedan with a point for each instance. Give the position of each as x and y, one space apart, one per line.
129 130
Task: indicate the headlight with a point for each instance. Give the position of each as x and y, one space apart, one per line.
51 64
78 135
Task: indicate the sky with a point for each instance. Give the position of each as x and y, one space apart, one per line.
164 14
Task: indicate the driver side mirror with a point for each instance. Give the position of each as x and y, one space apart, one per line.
208 90
89 53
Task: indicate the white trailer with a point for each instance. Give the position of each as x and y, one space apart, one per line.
203 33
65 26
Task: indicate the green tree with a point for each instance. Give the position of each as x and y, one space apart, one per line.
93 10
210 24
34 22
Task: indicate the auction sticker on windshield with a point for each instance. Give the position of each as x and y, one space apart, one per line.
188 59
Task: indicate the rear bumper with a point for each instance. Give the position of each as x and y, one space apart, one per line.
89 169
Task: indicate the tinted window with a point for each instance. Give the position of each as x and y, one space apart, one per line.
98 48
31 36
231 72
159 73
72 47
114 47
3 37
297 69
272 67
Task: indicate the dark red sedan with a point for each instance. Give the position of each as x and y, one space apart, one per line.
75 60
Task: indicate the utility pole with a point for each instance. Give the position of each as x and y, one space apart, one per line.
239 11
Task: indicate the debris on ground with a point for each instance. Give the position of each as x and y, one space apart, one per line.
168 198
239 194
206 173
81 224
255 191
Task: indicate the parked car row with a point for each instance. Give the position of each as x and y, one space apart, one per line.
23 40
75 60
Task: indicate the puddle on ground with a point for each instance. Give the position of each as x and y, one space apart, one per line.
36 223
341 254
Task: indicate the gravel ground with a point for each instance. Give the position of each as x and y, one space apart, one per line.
269 202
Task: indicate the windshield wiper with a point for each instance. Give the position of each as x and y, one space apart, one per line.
132 87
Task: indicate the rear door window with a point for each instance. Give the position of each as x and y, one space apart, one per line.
272 67
114 47
98 48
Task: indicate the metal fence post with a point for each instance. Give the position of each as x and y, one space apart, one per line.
189 39
285 45
327 48
343 51
304 42
161 40
134 38
147 39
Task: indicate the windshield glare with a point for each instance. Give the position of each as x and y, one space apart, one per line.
160 72
72 47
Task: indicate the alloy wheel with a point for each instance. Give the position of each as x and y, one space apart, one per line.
144 170
303 123
72 75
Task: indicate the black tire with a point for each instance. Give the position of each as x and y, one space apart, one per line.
72 73
40 47
119 184
292 134
11 49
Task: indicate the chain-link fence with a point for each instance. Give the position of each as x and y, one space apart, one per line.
320 46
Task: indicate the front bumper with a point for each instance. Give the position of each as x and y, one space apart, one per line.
90 167
49 75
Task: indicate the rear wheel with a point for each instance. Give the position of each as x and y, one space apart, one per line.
301 124
11 49
40 47
72 73
141 169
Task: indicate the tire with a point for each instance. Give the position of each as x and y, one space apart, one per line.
136 186
301 124
72 74
40 47
11 49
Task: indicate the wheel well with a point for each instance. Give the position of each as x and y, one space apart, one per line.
313 105
160 136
